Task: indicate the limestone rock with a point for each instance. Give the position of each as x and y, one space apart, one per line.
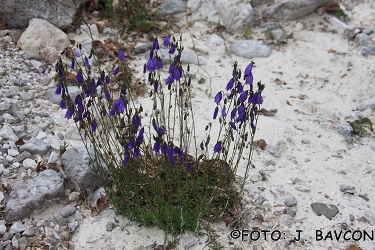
32 193
35 146
18 13
328 211
77 168
43 39
291 9
250 49
234 15
216 43
171 7
6 132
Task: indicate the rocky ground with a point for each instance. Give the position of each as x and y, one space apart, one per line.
312 177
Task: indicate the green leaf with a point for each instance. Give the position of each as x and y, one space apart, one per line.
340 12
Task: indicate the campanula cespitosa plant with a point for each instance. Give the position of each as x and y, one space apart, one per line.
154 167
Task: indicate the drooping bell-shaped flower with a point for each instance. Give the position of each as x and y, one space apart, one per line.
155 44
216 111
167 40
230 84
217 147
121 55
218 97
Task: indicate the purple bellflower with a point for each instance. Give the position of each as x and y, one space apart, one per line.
217 147
121 55
76 53
218 97
216 111
155 44
167 40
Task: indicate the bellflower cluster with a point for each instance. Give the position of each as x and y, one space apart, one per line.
153 171
243 103
133 139
161 147
79 108
156 62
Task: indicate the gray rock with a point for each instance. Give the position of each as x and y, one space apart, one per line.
15 242
78 216
270 25
20 114
73 196
341 27
29 164
250 49
108 31
26 96
31 194
368 30
328 211
6 132
347 189
235 15
76 162
368 106
325 125
270 163
22 243
54 159
369 51
256 3
3 150
277 33
290 202
274 150
12 91
36 146
72 132
59 220
20 82
21 157
56 99
29 231
44 39
344 129
7 244
13 152
110 226
3 229
170 7
362 39
9 118
351 217
259 200
17 227
7 236
216 43
18 13
142 49
4 105
96 196
72 227
291 212
2 120
67 211
190 241
291 9
56 142
58 120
